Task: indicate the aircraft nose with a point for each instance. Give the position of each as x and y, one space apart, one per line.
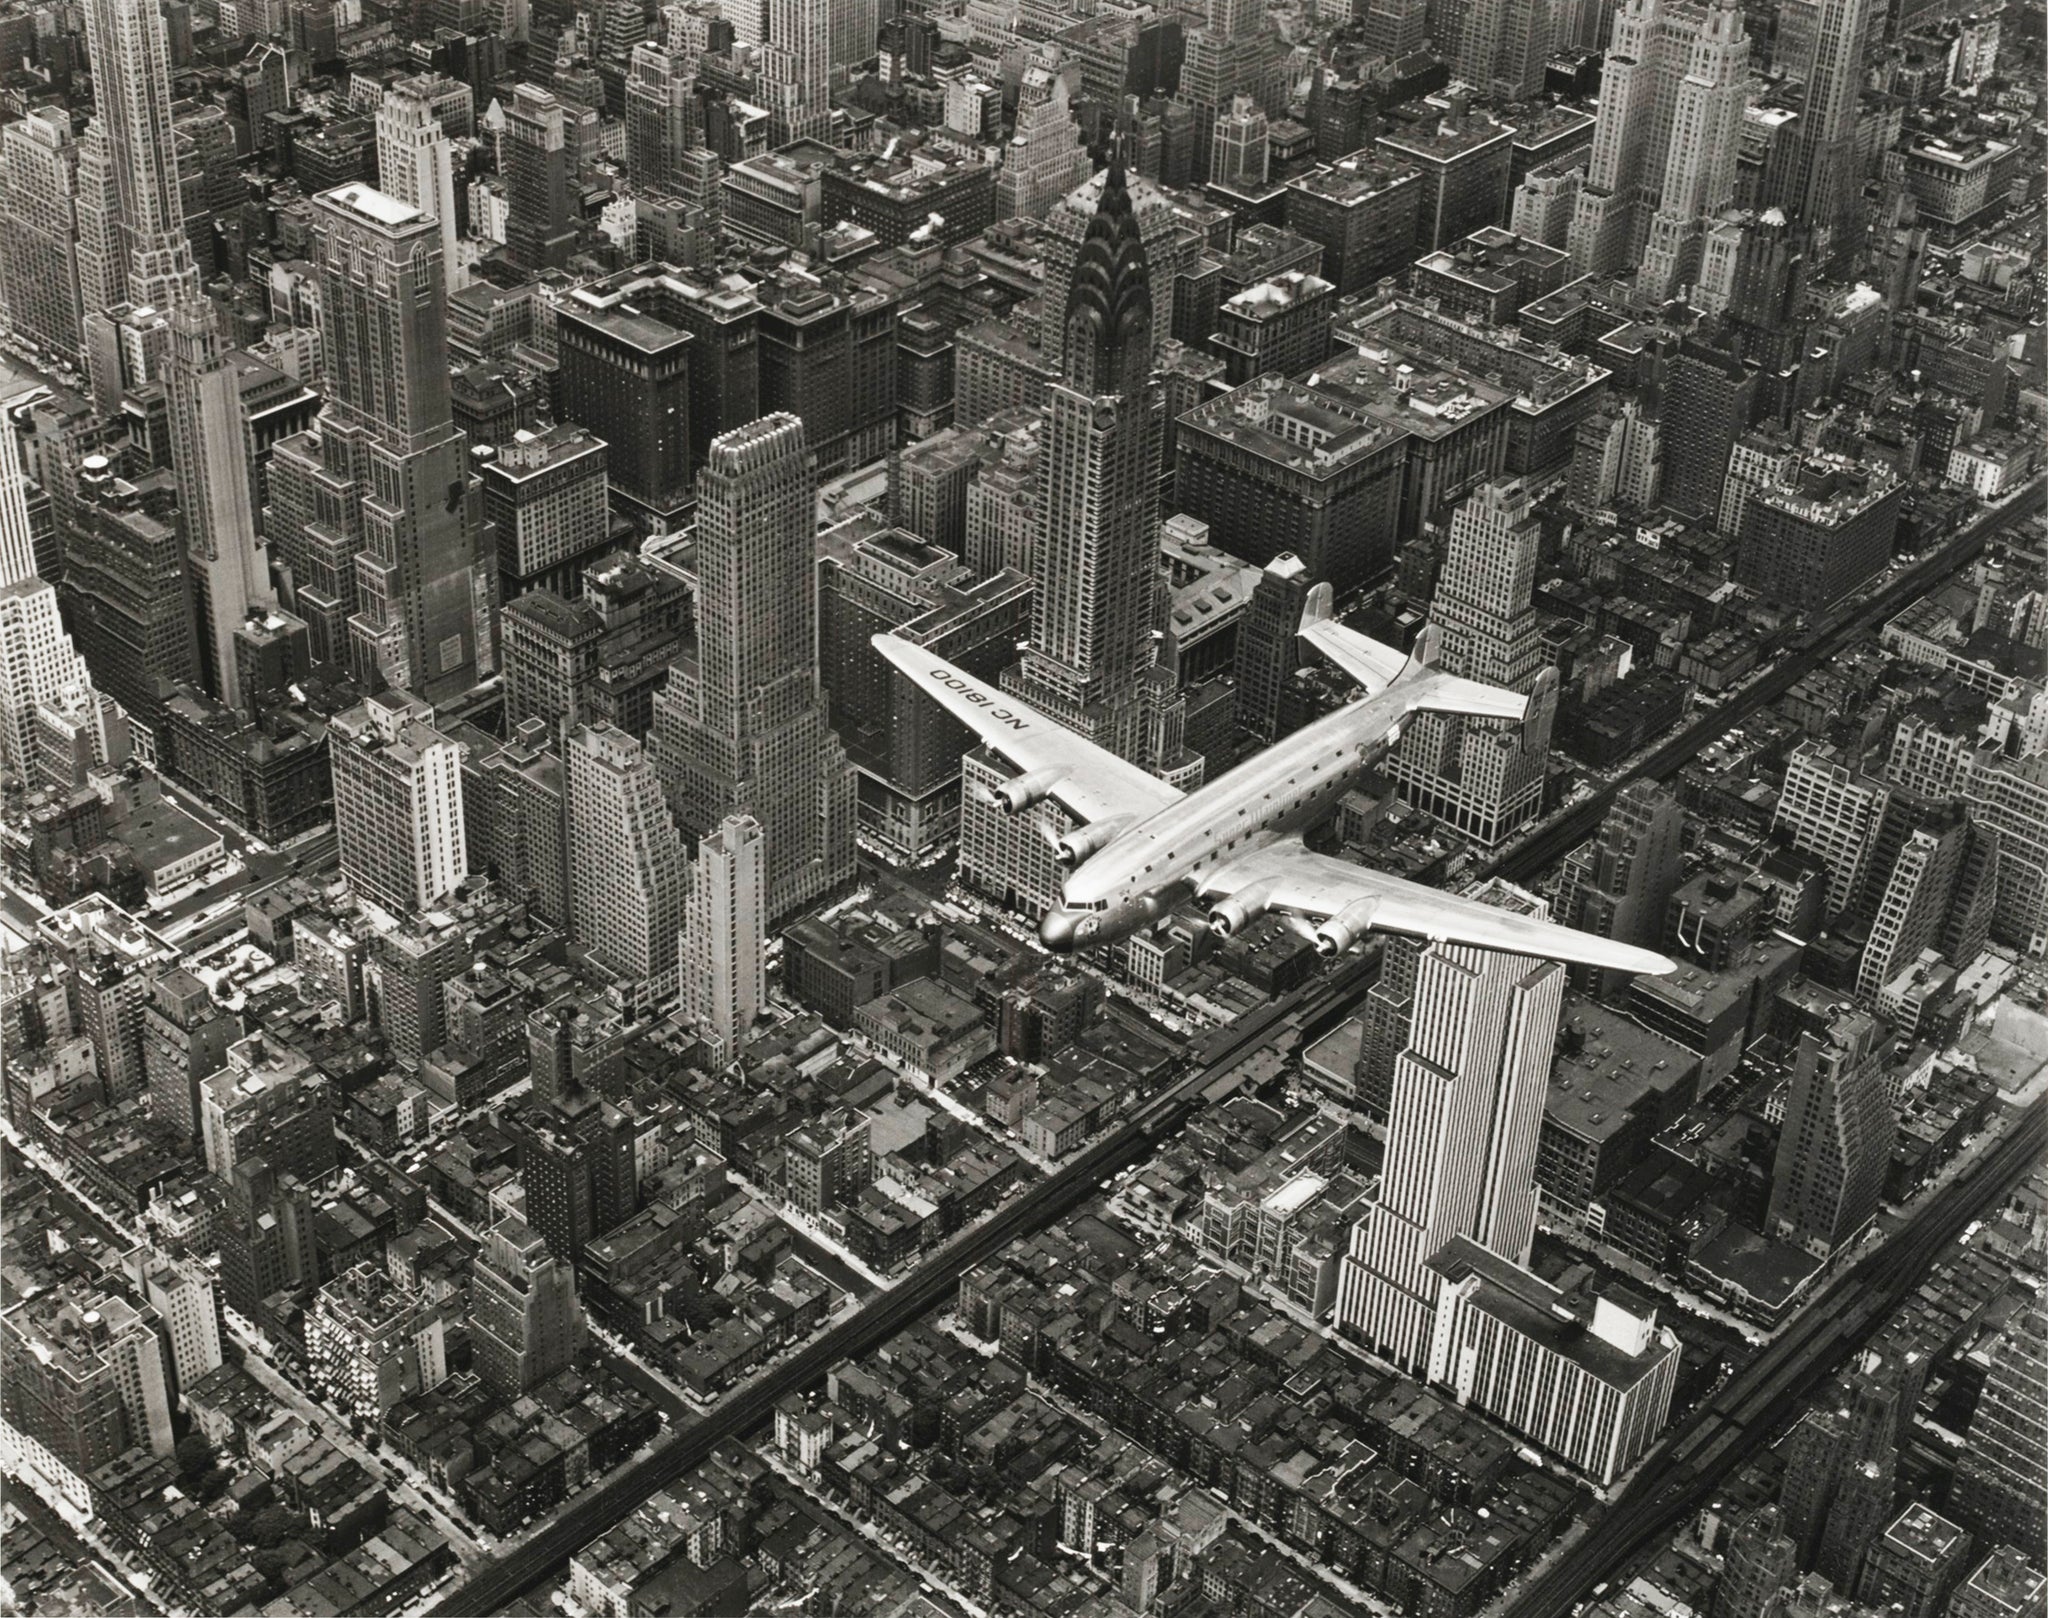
1060 930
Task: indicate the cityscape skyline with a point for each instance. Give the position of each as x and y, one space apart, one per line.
1220 810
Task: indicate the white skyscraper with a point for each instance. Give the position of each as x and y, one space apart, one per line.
627 870
1668 58
796 71
1699 171
37 660
397 802
416 165
1461 1134
725 938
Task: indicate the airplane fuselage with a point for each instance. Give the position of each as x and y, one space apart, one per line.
1148 868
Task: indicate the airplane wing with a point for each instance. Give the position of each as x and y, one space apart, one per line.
1377 666
1351 900
1089 782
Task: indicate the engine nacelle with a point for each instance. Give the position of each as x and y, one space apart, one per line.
1085 842
1346 928
1228 917
1020 792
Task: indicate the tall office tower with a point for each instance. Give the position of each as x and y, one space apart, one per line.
1620 884
1269 650
1759 1561
1828 182
1091 652
796 70
186 1300
1485 777
1941 893
102 263
371 1343
258 1105
266 1238
544 497
1828 1178
1830 809
1841 1462
215 460
371 510
1718 396
2001 1490
397 802
525 1322
1136 221
661 113
1617 459
1238 150
1461 1135
85 1376
1502 47
1663 53
852 30
39 251
627 868
185 1039
1699 170
540 232
132 89
580 1166
724 960
907 748
37 660
746 729
1046 157
416 165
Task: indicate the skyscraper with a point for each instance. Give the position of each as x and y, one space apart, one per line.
1828 1178
372 510
627 868
725 940
2001 1490
186 1300
1663 52
1461 1135
524 1317
1760 1558
1699 169
86 1376
1091 649
397 802
132 88
745 729
1619 885
416 165
539 232
37 660
39 250
1827 185
1484 776
185 1038
796 69
1502 47
216 463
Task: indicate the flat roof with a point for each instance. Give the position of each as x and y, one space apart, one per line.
371 204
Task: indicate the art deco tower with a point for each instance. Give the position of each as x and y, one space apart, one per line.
372 509
1699 168
744 729
1098 578
209 438
1461 1135
1674 78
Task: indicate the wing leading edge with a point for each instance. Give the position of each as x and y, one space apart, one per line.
1288 877
1090 782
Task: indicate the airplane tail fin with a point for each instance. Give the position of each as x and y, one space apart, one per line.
1319 608
1422 656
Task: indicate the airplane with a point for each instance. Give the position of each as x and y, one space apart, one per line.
1143 846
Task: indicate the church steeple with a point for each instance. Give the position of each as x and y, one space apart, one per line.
1109 301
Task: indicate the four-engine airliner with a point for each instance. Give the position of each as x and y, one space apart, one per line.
1143 847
